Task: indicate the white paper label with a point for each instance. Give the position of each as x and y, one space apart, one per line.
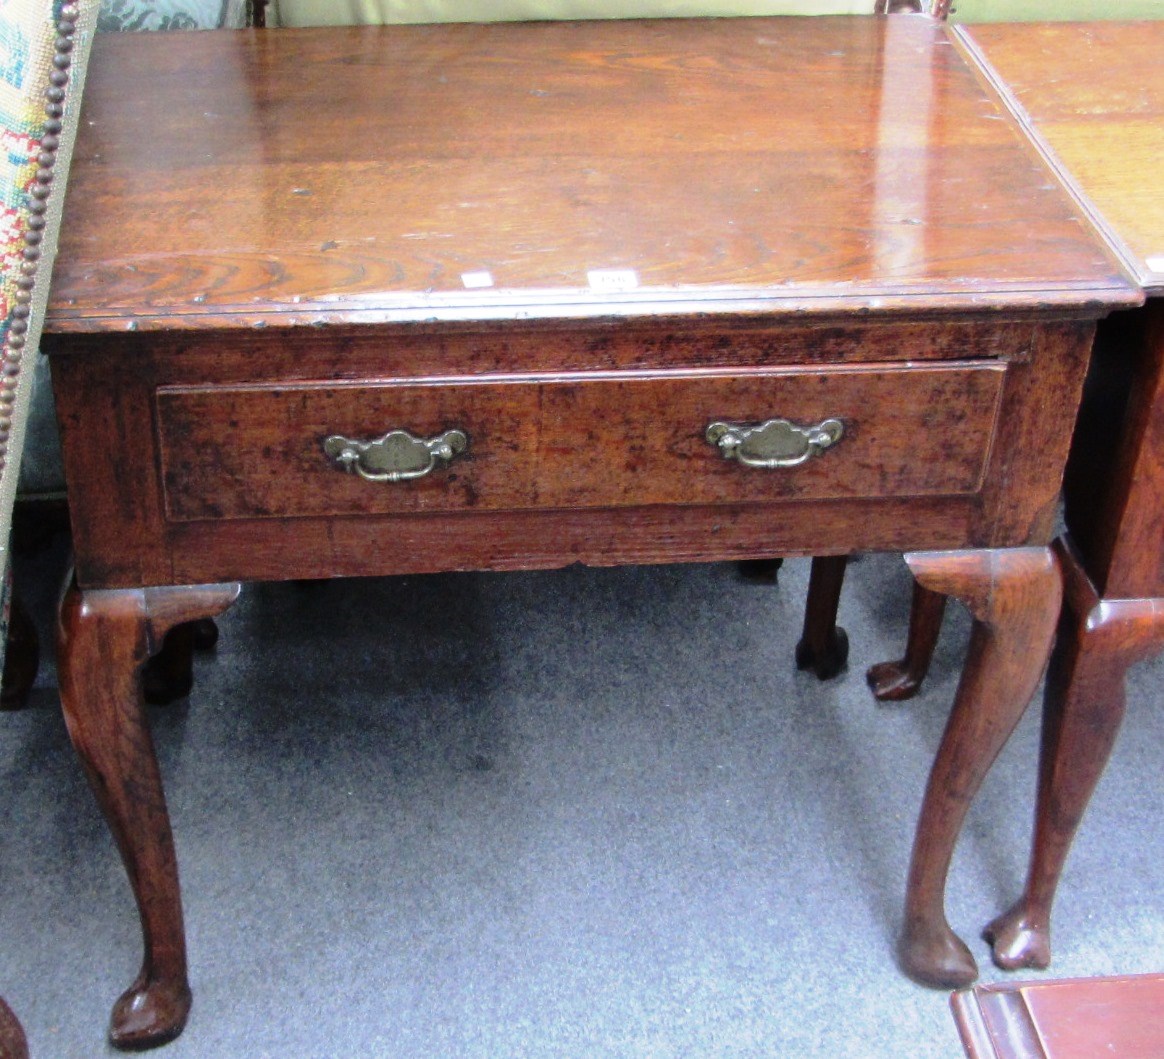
475 280
612 280
1156 264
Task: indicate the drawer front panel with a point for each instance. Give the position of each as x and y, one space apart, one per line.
574 441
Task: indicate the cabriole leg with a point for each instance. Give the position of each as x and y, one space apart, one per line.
894 681
103 639
1083 708
1014 596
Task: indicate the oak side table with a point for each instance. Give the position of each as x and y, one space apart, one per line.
388 300
1092 98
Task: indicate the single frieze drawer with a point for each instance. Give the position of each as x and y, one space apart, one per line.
575 441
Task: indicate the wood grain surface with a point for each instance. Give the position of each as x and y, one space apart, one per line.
1065 1018
1094 94
159 430
574 441
735 166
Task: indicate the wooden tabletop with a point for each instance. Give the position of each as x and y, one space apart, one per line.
379 174
1094 93
1063 1018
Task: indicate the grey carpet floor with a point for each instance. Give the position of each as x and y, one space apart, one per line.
581 813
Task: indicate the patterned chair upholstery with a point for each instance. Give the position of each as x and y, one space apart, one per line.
41 473
43 48
135 15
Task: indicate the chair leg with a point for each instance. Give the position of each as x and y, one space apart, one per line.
1014 596
894 681
103 639
1083 708
824 646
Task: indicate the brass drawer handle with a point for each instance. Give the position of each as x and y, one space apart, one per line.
775 443
397 456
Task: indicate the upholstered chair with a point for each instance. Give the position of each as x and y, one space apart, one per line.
43 48
40 486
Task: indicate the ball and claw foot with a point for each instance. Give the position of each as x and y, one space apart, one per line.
149 1014
892 682
827 661
941 961
1017 943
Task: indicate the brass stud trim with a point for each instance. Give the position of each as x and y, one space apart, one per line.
15 340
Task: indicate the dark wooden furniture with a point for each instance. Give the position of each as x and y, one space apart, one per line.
1090 98
1079 1018
576 263
1093 99
13 1044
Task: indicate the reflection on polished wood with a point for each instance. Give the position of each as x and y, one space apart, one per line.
1064 1018
1092 94
579 244
541 153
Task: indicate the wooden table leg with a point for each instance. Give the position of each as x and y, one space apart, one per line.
824 646
1082 711
13 1044
103 639
894 681
1014 595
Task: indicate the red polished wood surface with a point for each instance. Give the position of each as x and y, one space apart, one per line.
736 220
733 166
1093 94
103 639
575 441
1071 1018
13 1044
107 396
